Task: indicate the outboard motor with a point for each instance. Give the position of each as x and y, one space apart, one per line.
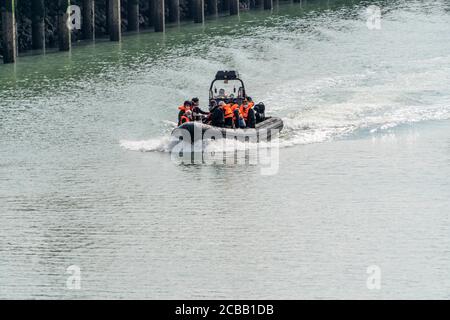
260 112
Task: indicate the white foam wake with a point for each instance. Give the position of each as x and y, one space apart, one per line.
161 144
316 126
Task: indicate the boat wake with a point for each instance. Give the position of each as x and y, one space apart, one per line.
322 124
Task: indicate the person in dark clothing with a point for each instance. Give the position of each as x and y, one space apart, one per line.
251 120
196 111
212 105
260 110
217 116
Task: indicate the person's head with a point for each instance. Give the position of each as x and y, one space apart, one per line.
222 92
221 104
187 104
249 99
245 103
195 101
212 105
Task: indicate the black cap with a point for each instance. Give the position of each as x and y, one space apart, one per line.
195 100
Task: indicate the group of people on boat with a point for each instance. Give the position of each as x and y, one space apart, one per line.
221 114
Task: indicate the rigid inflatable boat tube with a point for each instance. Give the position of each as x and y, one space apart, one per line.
193 131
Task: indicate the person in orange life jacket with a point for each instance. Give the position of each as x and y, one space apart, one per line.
234 105
186 117
248 114
228 115
238 120
196 111
186 106
251 104
235 111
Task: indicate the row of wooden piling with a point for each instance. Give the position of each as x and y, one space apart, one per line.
157 15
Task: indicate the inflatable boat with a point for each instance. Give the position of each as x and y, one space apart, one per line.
265 128
263 131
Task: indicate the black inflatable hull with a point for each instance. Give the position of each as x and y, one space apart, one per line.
195 131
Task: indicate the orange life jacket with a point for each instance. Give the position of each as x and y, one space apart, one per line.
233 108
183 108
184 119
244 111
227 112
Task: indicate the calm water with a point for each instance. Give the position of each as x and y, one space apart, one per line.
364 164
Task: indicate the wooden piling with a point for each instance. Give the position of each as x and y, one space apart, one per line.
174 10
9 31
258 3
159 17
107 16
225 5
37 24
199 11
212 7
151 13
156 15
64 33
133 15
88 19
115 25
268 4
234 7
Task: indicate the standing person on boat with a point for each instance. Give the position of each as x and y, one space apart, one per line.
217 115
228 115
187 105
238 120
250 102
222 94
248 114
196 111
212 106
234 105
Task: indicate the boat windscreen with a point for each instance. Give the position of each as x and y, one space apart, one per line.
227 89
